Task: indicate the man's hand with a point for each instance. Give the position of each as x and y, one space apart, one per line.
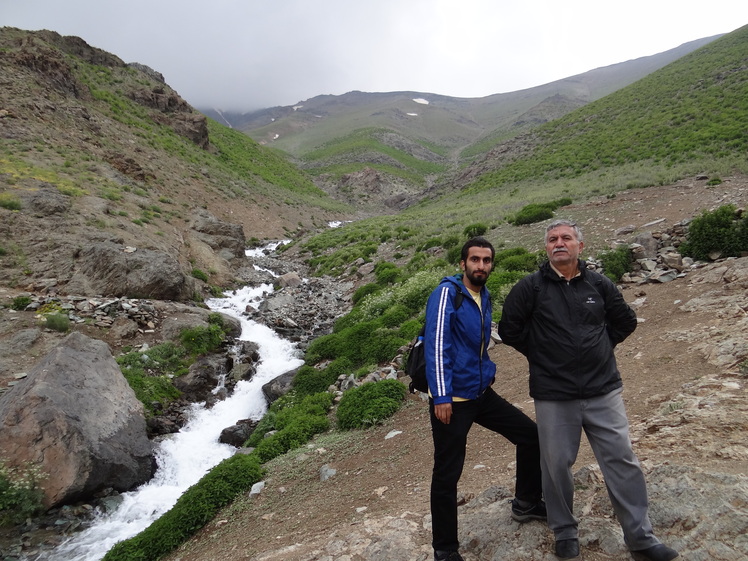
443 412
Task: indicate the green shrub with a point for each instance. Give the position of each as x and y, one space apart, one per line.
20 303
200 275
370 404
429 243
474 230
395 315
20 494
537 212
616 262
201 340
364 290
509 252
411 328
386 273
310 380
327 346
296 425
530 214
380 346
527 262
454 254
195 508
558 203
719 231
341 366
57 322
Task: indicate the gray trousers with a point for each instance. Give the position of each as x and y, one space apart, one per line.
604 421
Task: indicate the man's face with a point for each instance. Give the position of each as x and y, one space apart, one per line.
562 246
477 267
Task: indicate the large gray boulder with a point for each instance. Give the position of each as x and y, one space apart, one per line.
111 269
76 418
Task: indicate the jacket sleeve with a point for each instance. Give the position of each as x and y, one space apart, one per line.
516 315
438 344
620 319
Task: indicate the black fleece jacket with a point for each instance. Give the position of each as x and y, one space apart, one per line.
567 330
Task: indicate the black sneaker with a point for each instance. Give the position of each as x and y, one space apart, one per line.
567 549
447 556
534 512
659 552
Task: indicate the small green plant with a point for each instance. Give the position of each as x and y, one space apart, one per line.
714 181
149 373
57 322
9 202
672 407
743 368
20 302
201 340
370 404
616 262
20 494
199 275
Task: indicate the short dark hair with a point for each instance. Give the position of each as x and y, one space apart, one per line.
478 241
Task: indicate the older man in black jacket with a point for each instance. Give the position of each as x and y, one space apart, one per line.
567 320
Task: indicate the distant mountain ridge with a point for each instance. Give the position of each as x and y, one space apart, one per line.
382 151
452 122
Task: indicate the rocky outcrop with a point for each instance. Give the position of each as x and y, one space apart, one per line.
87 426
224 238
109 268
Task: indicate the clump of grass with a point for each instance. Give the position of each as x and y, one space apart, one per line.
20 303
9 202
200 275
57 322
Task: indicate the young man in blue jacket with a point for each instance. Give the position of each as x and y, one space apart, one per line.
460 375
567 320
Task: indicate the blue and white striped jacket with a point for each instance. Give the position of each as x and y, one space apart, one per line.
455 366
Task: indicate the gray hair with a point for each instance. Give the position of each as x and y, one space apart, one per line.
562 222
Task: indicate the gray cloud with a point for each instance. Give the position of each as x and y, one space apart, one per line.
245 54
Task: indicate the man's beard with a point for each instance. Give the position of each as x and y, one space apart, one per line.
477 281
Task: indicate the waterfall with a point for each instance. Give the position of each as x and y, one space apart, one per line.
189 454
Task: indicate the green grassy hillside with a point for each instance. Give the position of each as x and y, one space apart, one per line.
687 118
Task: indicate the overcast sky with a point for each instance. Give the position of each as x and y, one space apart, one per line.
250 54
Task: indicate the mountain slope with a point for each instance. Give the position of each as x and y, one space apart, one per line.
696 106
383 149
100 150
686 119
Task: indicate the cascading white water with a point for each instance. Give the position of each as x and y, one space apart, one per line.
185 457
